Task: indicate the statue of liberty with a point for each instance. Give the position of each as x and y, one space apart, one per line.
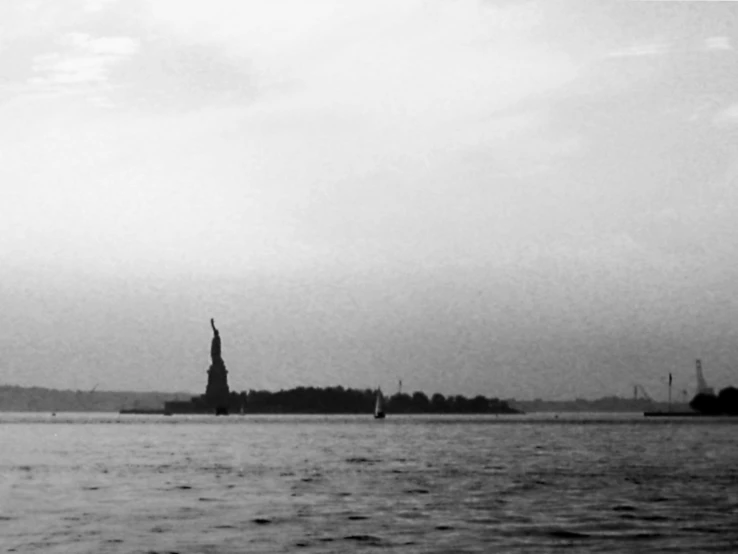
215 346
217 391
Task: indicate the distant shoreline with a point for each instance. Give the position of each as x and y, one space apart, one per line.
300 400
39 399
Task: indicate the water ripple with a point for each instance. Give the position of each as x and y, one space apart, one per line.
281 484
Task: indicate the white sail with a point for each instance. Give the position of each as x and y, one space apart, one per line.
379 405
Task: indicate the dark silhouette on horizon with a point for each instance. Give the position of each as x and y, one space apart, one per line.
724 403
706 402
217 391
339 400
218 398
215 345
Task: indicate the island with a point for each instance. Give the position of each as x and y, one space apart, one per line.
218 399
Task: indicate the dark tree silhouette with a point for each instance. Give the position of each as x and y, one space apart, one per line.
728 401
438 403
421 402
337 400
705 404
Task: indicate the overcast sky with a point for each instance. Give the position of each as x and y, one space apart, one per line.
528 199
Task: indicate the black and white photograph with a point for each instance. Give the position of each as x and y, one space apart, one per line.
387 276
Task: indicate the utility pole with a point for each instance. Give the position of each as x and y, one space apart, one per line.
669 391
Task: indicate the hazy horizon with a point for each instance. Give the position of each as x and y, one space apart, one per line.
514 199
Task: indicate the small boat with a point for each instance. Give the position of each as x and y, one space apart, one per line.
379 406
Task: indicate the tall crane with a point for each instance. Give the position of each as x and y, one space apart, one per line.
701 383
639 389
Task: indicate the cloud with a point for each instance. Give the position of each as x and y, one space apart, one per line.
86 61
643 49
408 60
168 75
377 98
718 43
98 5
654 48
110 46
415 60
727 117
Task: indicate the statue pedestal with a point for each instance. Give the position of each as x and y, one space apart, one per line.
217 392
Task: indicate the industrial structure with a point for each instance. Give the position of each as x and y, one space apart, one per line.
702 387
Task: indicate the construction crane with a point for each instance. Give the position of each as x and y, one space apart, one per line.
702 387
639 389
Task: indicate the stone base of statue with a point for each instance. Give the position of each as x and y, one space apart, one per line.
217 392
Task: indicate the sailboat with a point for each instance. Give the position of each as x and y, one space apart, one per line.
379 406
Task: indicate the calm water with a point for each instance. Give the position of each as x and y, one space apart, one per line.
109 483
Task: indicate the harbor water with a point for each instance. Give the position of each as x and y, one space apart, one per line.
103 483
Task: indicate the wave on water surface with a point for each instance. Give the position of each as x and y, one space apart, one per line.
412 484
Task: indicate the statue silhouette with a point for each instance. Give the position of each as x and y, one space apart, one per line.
215 346
217 392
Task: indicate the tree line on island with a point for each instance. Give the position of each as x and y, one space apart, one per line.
339 400
300 400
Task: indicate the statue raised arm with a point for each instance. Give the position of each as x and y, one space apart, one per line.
215 346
